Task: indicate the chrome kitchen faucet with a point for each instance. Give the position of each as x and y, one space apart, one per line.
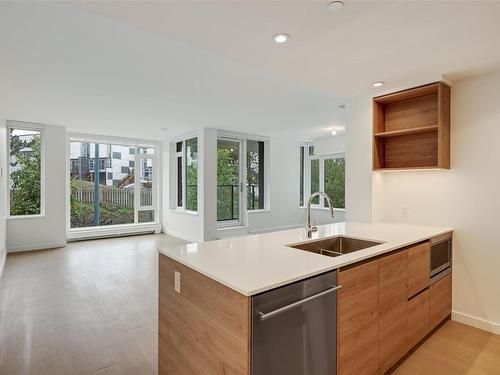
310 228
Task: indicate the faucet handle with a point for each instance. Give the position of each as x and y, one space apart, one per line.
314 228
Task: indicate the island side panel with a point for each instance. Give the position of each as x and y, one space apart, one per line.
205 329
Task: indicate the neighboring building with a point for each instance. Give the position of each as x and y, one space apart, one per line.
116 163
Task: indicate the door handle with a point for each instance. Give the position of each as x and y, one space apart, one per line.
265 316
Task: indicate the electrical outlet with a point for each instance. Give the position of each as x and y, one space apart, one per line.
177 281
404 212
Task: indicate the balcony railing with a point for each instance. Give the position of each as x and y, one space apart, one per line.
228 200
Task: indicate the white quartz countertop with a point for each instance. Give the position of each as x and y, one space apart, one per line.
255 263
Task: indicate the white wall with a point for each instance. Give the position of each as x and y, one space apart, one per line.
176 222
465 197
187 225
49 230
359 187
3 195
330 144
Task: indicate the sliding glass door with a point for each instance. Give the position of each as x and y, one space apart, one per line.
146 204
111 184
229 182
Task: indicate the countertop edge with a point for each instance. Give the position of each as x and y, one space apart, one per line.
341 263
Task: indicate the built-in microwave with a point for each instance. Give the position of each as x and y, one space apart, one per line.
441 253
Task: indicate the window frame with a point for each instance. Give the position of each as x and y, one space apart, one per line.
242 174
33 127
243 138
333 155
262 176
307 174
182 154
156 183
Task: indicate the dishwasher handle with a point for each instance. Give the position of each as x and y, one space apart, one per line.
265 316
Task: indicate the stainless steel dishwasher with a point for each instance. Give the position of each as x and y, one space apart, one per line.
294 328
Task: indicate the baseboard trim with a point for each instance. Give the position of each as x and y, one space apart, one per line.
18 249
181 236
90 233
3 258
476 322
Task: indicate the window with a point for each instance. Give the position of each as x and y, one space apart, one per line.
301 188
334 180
315 179
240 178
179 156
25 171
192 174
322 173
115 194
255 175
228 181
102 164
186 153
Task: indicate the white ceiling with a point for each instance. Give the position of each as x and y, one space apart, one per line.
131 68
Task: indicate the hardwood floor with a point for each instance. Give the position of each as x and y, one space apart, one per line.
455 349
88 308
91 308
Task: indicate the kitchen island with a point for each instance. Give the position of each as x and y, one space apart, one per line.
207 289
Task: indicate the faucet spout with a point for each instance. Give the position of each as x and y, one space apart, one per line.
311 228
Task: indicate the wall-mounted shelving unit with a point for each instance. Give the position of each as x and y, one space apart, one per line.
411 128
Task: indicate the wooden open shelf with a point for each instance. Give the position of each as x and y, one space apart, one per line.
396 133
411 128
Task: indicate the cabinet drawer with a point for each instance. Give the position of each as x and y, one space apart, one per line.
418 268
440 301
418 318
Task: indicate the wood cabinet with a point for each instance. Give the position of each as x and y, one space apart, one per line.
386 307
418 318
358 319
418 268
439 301
204 329
411 128
393 299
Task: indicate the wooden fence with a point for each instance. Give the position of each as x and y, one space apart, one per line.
122 197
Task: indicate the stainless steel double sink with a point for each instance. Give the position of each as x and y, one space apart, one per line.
335 246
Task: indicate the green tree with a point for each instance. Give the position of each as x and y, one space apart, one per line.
25 178
315 179
335 181
192 174
227 183
253 180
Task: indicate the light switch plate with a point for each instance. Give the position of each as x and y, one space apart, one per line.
177 281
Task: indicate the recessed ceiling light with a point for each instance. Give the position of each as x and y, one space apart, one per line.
281 38
378 84
334 132
335 6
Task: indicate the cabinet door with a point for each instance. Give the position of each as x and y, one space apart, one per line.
393 300
418 268
440 301
418 318
358 320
